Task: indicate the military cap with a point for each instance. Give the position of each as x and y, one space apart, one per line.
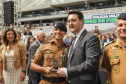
60 25
122 16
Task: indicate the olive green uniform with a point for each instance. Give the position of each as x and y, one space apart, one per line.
47 53
114 60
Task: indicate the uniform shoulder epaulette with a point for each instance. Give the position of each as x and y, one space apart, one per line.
109 43
45 42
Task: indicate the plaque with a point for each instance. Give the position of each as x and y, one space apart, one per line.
56 62
55 65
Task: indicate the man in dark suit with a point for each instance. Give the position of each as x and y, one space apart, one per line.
108 38
34 77
84 53
28 32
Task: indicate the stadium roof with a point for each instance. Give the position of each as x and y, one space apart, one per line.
28 3
25 3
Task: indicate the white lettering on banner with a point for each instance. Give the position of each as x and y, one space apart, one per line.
104 16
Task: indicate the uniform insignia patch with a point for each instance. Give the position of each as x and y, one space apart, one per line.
66 50
48 52
114 68
113 53
37 49
113 48
113 57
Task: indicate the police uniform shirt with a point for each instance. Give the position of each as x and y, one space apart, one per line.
114 60
48 52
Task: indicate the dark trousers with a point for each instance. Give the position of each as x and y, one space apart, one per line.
34 80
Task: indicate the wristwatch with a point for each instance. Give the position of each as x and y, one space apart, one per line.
24 71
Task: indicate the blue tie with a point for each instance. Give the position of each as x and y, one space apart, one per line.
70 52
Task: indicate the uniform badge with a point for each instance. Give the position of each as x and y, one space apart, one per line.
114 68
113 53
37 49
66 50
114 48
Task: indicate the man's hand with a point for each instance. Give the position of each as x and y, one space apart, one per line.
46 70
22 76
61 72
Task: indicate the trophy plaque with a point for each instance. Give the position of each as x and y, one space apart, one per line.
55 65
56 62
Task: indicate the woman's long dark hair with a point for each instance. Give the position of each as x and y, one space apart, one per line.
4 37
28 42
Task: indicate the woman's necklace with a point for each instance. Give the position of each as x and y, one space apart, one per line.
8 48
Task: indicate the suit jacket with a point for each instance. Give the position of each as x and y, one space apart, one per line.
32 49
19 55
84 62
25 33
27 47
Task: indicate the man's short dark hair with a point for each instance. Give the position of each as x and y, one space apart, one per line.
80 14
29 28
19 33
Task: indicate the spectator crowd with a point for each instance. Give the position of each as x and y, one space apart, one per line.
29 39
44 56
104 38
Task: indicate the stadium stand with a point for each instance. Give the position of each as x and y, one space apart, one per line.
42 14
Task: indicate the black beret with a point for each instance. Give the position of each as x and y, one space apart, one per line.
122 16
60 25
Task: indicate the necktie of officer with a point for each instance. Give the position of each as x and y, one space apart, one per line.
70 52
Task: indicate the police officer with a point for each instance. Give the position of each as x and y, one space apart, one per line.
51 53
114 57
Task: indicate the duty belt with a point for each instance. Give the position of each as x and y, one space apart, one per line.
54 80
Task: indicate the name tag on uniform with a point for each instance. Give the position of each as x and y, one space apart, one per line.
48 52
114 57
